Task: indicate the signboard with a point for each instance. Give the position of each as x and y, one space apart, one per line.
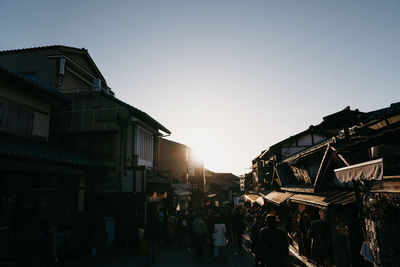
242 188
238 201
140 181
127 181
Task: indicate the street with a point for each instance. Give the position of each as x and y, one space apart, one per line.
176 256
171 255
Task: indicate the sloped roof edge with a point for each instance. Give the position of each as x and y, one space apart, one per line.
63 48
40 86
140 114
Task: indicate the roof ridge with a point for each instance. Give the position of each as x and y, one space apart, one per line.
39 47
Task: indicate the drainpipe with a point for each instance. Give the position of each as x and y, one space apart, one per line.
122 124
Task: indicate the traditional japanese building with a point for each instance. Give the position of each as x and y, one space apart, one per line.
40 181
98 125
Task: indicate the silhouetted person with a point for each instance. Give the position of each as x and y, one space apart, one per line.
30 244
255 233
238 226
219 237
273 244
305 244
49 256
200 235
152 234
320 241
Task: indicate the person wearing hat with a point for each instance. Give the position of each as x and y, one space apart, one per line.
273 243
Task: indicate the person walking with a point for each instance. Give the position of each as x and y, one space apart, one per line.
152 235
210 222
238 226
171 227
254 237
200 235
219 237
274 244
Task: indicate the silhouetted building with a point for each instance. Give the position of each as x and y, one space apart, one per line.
332 174
177 162
40 182
98 125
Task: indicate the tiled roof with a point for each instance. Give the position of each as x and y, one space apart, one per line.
37 85
143 116
12 146
37 48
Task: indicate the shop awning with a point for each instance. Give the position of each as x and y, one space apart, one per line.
323 200
182 186
390 186
31 167
182 192
157 184
22 149
255 198
156 180
370 170
277 197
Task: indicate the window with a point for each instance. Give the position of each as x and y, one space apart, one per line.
14 116
144 147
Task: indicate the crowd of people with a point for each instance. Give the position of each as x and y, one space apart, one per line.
213 228
205 231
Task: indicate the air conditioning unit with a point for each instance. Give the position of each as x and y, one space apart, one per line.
61 70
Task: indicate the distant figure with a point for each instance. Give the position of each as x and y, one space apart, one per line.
219 237
210 222
30 245
255 233
273 244
49 252
200 235
171 227
320 241
305 244
183 230
152 235
238 226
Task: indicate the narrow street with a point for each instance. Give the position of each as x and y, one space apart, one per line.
177 256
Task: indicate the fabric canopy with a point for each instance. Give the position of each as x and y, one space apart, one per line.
255 198
277 197
323 200
370 170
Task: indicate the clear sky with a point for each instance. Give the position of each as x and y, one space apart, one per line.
228 78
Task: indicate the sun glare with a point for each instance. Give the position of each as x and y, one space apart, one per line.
199 154
205 151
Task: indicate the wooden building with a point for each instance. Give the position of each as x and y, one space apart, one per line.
176 161
98 125
40 182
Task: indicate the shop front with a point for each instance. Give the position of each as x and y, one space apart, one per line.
377 186
325 227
